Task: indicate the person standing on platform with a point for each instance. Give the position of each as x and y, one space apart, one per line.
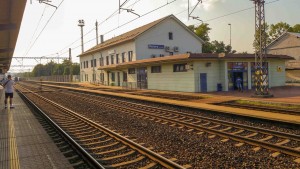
8 86
239 84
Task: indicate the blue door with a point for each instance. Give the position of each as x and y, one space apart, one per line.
203 82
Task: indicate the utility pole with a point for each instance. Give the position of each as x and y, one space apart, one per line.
81 24
261 64
70 65
96 32
230 33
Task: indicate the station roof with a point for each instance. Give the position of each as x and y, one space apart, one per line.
187 57
11 14
296 35
131 35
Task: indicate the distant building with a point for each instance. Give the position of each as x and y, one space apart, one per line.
163 37
287 44
197 72
166 55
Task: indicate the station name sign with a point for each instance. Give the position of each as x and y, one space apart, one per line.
154 46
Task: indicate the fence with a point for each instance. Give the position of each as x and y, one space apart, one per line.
57 78
134 85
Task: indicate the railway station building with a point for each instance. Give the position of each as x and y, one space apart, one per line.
287 44
166 55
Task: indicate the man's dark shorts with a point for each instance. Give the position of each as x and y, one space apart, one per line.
10 95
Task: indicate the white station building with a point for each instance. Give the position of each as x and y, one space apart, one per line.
166 55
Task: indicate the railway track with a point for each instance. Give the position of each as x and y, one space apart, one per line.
269 109
278 142
104 146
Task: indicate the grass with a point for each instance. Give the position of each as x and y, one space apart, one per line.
269 104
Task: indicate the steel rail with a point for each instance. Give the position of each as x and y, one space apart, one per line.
285 150
285 111
85 155
150 154
232 124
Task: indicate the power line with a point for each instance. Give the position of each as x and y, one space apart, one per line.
100 23
37 26
113 14
129 21
246 9
44 27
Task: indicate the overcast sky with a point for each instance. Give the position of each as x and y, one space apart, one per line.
62 31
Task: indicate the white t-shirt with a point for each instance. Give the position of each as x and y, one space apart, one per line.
9 86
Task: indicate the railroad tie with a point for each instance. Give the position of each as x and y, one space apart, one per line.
225 140
190 130
118 156
266 138
226 129
187 166
283 142
251 135
275 154
127 162
239 144
256 149
151 165
238 132
212 136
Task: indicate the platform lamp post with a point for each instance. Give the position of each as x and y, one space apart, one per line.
230 33
81 24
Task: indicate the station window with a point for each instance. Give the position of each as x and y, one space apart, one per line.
107 60
129 56
179 67
113 76
117 58
131 71
94 77
170 35
124 77
123 57
87 64
95 63
102 77
155 69
92 63
112 59
101 61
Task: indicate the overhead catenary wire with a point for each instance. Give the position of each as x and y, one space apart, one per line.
61 53
129 22
43 28
232 13
100 23
35 31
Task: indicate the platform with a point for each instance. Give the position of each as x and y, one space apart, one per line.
205 104
23 141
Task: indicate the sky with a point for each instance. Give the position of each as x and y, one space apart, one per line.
48 31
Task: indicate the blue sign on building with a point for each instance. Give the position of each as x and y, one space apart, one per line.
154 46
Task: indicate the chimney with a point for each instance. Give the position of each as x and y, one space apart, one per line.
101 39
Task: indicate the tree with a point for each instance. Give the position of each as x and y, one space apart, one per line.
201 31
210 47
256 36
296 28
75 69
278 29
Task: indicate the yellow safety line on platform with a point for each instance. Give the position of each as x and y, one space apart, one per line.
14 156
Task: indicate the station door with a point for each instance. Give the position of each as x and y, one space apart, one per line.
203 82
142 78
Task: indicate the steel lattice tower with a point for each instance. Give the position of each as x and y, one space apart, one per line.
261 65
